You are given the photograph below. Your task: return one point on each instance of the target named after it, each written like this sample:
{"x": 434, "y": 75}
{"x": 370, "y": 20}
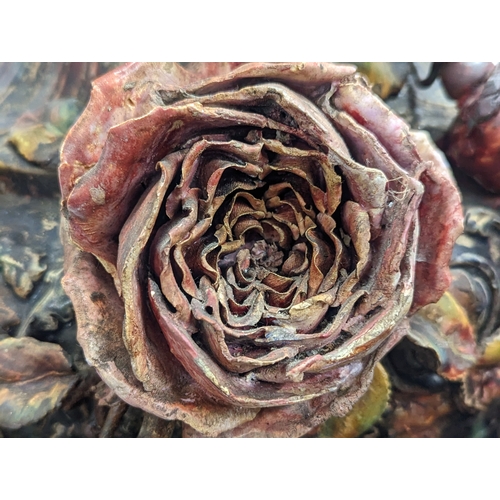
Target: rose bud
{"x": 245, "y": 242}
{"x": 473, "y": 142}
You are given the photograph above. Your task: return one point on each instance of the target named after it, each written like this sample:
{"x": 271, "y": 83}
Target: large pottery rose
{"x": 245, "y": 242}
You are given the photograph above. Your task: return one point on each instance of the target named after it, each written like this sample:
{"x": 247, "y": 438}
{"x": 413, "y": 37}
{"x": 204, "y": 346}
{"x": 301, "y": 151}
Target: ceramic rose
{"x": 245, "y": 242}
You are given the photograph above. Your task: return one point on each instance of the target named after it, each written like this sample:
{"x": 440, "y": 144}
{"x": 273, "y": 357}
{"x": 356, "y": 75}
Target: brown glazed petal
{"x": 245, "y": 241}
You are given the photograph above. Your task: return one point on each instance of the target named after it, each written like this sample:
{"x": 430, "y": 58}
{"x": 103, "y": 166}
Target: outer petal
{"x": 441, "y": 204}
{"x": 137, "y": 83}
{"x": 303, "y": 77}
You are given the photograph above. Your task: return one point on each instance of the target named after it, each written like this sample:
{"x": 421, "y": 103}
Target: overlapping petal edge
{"x": 169, "y": 306}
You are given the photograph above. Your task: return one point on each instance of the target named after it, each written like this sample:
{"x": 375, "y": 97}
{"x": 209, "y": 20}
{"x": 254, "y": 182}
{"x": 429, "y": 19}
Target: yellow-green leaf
{"x": 365, "y": 412}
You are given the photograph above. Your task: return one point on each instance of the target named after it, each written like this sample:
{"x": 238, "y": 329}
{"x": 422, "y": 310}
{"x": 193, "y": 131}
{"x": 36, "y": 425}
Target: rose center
{"x": 259, "y": 254}
{"x": 266, "y": 255}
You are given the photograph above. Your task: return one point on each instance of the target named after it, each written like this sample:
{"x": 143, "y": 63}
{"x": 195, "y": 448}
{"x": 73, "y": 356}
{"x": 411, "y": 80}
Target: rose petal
{"x": 441, "y": 204}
